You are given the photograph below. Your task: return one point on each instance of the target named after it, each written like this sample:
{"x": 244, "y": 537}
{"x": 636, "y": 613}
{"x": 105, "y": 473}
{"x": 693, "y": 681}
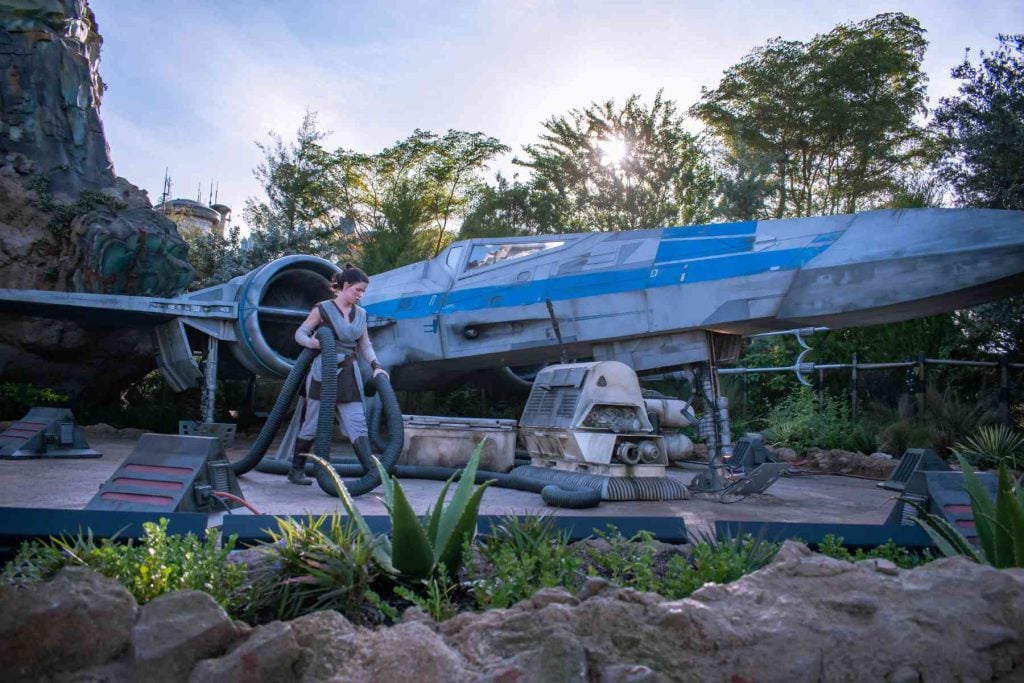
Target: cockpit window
{"x": 488, "y": 254}
{"x": 454, "y": 256}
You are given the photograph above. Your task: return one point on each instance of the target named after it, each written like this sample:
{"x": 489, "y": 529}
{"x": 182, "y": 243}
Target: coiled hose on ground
{"x": 551, "y": 494}
{"x": 277, "y": 414}
{"x": 369, "y": 477}
{"x": 385, "y": 408}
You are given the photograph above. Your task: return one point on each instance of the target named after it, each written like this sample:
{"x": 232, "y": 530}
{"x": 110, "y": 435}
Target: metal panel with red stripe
{"x": 170, "y": 473}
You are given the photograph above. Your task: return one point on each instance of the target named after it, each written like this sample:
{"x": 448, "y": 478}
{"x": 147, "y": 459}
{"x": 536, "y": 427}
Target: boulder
{"x": 805, "y": 617}
{"x": 76, "y": 621}
{"x": 850, "y": 462}
{"x": 269, "y": 653}
{"x": 175, "y": 631}
{"x": 406, "y": 652}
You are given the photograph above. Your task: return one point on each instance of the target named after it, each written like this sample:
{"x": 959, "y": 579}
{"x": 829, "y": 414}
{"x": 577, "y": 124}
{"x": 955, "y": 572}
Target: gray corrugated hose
{"x": 552, "y": 494}
{"x": 277, "y": 413}
{"x": 325, "y": 420}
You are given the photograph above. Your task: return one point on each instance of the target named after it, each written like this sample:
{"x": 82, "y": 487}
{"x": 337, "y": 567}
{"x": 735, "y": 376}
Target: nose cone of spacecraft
{"x": 894, "y": 265}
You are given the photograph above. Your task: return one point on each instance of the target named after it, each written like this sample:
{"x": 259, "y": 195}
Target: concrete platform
{"x": 70, "y": 484}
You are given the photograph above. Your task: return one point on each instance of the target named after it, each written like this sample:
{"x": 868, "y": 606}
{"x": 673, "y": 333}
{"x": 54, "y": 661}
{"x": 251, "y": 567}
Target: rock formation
{"x": 67, "y": 222}
{"x": 805, "y": 617}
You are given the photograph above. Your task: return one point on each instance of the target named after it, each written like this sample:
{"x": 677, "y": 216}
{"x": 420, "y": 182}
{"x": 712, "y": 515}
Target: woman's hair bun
{"x": 349, "y": 274}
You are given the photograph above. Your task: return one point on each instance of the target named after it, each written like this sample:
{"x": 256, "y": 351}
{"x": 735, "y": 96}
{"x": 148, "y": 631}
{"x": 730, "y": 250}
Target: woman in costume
{"x": 347, "y": 319}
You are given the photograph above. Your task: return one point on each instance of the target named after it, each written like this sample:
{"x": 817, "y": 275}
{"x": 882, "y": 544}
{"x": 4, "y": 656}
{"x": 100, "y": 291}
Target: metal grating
{"x": 539, "y": 407}
{"x": 567, "y": 402}
{"x": 913, "y": 460}
{"x": 220, "y": 475}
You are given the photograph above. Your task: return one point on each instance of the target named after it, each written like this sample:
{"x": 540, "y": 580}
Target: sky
{"x": 194, "y": 84}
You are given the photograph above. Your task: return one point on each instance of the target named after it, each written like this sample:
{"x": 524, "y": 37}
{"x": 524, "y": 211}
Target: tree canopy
{"x": 405, "y": 200}
{"x": 982, "y": 137}
{"x": 829, "y": 122}
{"x": 982, "y": 128}
{"x": 609, "y": 168}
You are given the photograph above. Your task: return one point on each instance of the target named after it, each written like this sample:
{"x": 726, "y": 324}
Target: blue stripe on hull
{"x": 680, "y": 250}
{"x": 597, "y": 284}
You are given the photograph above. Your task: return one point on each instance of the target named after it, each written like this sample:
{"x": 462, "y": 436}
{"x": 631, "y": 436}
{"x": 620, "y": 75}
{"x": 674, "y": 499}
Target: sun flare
{"x": 613, "y": 151}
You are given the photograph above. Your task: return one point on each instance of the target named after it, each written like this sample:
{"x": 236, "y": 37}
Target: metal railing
{"x": 920, "y": 365}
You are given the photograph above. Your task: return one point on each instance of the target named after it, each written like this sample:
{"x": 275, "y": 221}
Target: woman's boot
{"x": 297, "y": 475}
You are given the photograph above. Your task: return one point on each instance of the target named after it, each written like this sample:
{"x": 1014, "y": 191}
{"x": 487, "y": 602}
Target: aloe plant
{"x": 381, "y": 545}
{"x": 422, "y": 546}
{"x": 1000, "y": 523}
{"x": 418, "y": 548}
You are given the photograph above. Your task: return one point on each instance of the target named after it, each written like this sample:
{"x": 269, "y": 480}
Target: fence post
{"x": 821, "y": 388}
{"x": 853, "y": 389}
{"x": 1004, "y": 389}
{"x": 922, "y": 384}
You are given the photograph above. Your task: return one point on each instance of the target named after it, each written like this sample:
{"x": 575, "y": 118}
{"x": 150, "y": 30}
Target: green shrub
{"x": 520, "y": 557}
{"x": 629, "y": 562}
{"x": 992, "y": 446}
{"x": 157, "y": 565}
{"x": 16, "y": 398}
{"x": 715, "y": 561}
{"x": 636, "y": 563}
{"x": 897, "y": 437}
{"x": 833, "y": 546}
{"x": 863, "y": 438}
{"x": 325, "y": 563}
{"x": 435, "y": 595}
{"x": 800, "y": 421}
{"x": 418, "y": 547}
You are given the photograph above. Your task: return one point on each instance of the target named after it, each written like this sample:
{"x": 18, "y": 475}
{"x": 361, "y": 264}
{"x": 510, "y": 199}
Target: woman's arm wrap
{"x": 303, "y": 336}
{"x": 364, "y": 349}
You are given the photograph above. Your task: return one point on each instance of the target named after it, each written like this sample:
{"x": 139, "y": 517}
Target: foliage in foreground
{"x": 421, "y": 548}
{"x": 999, "y": 523}
{"x": 434, "y": 544}
{"x": 521, "y": 556}
{"x": 159, "y": 564}
{"x": 324, "y": 563}
{"x": 993, "y": 446}
{"x": 833, "y": 546}
{"x": 635, "y": 562}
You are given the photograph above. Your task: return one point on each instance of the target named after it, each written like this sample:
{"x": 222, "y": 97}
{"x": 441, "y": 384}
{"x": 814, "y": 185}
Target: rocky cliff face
{"x": 67, "y": 222}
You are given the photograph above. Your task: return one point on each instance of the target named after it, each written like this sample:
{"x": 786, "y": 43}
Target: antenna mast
{"x": 167, "y": 186}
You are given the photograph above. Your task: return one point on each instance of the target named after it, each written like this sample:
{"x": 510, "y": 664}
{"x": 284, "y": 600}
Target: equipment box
{"x": 450, "y": 441}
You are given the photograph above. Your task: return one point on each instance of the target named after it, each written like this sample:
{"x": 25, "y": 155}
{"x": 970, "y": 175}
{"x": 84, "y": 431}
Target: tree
{"x": 833, "y": 118}
{"x": 404, "y": 200}
{"x": 505, "y": 210}
{"x": 217, "y": 258}
{"x": 605, "y": 168}
{"x": 982, "y": 135}
{"x": 746, "y": 185}
{"x": 303, "y": 211}
{"x": 982, "y": 129}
